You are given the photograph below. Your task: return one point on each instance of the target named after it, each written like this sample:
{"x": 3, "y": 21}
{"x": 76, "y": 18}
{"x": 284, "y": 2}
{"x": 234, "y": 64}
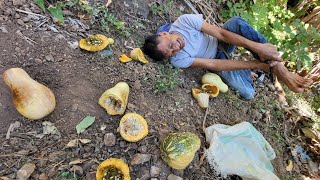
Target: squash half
{"x": 133, "y": 127}
{"x": 115, "y": 100}
{"x": 211, "y": 89}
{"x": 212, "y": 78}
{"x": 95, "y": 42}
{"x": 201, "y": 97}
{"x": 178, "y": 149}
{"x": 112, "y": 169}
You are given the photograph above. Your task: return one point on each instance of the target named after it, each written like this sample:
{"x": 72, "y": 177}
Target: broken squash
{"x": 201, "y": 97}
{"x": 115, "y": 100}
{"x": 95, "y": 42}
{"x": 178, "y": 149}
{"x": 113, "y": 169}
{"x": 137, "y": 54}
{"x": 124, "y": 58}
{"x": 133, "y": 127}
{"x": 31, "y": 99}
{"x": 210, "y": 89}
{"x": 212, "y": 78}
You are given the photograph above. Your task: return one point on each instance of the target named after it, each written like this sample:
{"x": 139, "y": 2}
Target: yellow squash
{"x": 137, "y": 54}
{"x": 124, "y": 58}
{"x": 201, "y": 97}
{"x": 95, "y": 43}
{"x": 212, "y": 78}
{"x": 178, "y": 149}
{"x": 115, "y": 99}
{"x": 31, "y": 99}
{"x": 113, "y": 169}
{"x": 133, "y": 127}
{"x": 210, "y": 89}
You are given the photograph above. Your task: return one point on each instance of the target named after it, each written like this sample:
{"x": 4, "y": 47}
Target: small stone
{"x": 109, "y": 139}
{"x": 43, "y": 176}
{"x": 77, "y": 169}
{"x": 174, "y": 177}
{"x": 18, "y": 2}
{"x": 155, "y": 171}
{"x": 74, "y": 107}
{"x": 90, "y": 176}
{"x": 17, "y": 16}
{"x": 154, "y": 179}
{"x": 42, "y": 162}
{"x": 140, "y": 158}
{"x": 38, "y": 61}
{"x": 137, "y": 84}
{"x": 143, "y": 149}
{"x": 17, "y": 49}
{"x": 122, "y": 144}
{"x": 49, "y": 58}
{"x": 8, "y": 12}
{"x": 26, "y": 19}
{"x": 20, "y": 22}
{"x": 178, "y": 172}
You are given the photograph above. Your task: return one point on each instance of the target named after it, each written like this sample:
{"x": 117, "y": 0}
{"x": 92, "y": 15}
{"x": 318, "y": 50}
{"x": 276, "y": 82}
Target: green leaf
{"x": 56, "y": 12}
{"x": 85, "y": 123}
{"x": 66, "y": 175}
{"x": 40, "y": 3}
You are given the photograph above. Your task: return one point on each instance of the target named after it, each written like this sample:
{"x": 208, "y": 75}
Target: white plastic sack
{"x": 239, "y": 150}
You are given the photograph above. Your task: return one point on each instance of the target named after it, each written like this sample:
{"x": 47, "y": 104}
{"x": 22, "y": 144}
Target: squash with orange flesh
{"x": 115, "y": 100}
{"x": 137, "y": 54}
{"x": 211, "y": 89}
{"x": 133, "y": 127}
{"x": 113, "y": 169}
{"x": 95, "y": 42}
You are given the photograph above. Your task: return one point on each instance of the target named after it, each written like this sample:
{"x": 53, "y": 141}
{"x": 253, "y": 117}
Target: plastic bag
{"x": 239, "y": 150}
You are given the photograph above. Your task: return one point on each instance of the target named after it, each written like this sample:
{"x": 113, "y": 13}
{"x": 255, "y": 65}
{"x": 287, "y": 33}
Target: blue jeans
{"x": 239, "y": 80}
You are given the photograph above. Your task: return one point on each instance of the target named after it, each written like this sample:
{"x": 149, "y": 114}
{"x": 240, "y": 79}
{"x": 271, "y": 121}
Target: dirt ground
{"x": 78, "y": 79}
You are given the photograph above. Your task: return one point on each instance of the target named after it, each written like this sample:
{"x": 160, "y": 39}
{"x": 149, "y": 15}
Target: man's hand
{"x": 268, "y": 52}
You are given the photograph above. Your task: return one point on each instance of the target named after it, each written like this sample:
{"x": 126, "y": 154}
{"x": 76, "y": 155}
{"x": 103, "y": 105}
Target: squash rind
{"x": 137, "y": 54}
{"x": 119, "y": 92}
{"x": 133, "y": 138}
{"x": 202, "y": 98}
{"x": 212, "y": 78}
{"x": 113, "y": 162}
{"x": 32, "y": 99}
{"x": 93, "y": 48}
{"x": 178, "y": 149}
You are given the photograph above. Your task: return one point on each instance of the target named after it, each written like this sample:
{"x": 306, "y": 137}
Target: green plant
{"x": 55, "y": 10}
{"x": 297, "y": 40}
{"x": 167, "y": 78}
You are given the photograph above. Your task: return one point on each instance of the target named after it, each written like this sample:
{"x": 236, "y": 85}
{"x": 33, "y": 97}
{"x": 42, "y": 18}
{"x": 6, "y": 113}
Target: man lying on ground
{"x": 193, "y": 43}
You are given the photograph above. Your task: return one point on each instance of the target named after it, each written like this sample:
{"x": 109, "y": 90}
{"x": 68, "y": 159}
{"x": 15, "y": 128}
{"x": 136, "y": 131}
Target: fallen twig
{"x": 30, "y": 41}
{"x": 27, "y": 12}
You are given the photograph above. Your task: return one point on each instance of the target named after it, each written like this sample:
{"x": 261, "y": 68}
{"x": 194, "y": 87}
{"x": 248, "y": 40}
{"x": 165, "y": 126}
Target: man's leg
{"x": 239, "y": 80}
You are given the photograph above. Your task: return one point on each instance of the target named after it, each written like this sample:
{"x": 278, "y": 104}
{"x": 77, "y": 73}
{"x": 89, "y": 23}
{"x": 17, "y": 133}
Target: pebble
{"x": 43, "y": 176}
{"x": 122, "y": 144}
{"x": 74, "y": 107}
{"x": 77, "y": 169}
{"x": 140, "y": 158}
{"x": 26, "y": 19}
{"x": 17, "y": 16}
{"x": 137, "y": 84}
{"x": 174, "y": 177}
{"x": 38, "y": 61}
{"x": 109, "y": 139}
{"x": 42, "y": 163}
{"x": 19, "y": 2}
{"x": 20, "y": 22}
{"x": 8, "y": 12}
{"x": 257, "y": 115}
{"x": 155, "y": 171}
{"x": 143, "y": 149}
{"x": 49, "y": 58}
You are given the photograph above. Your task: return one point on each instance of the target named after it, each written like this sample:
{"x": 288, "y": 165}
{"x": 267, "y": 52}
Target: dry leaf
{"x": 26, "y": 171}
{"x": 289, "y": 166}
{"x": 309, "y": 133}
{"x": 78, "y": 161}
{"x": 108, "y": 3}
{"x": 73, "y": 143}
{"x": 84, "y": 141}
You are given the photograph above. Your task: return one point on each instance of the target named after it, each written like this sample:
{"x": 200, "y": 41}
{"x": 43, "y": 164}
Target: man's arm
{"x": 227, "y": 65}
{"x": 265, "y": 51}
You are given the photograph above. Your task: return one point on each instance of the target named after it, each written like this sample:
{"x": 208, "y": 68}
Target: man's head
{"x": 163, "y": 46}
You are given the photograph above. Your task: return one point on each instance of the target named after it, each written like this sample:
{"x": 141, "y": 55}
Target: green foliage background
{"x": 298, "y": 41}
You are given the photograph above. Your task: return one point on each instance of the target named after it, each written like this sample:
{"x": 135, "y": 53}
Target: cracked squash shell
{"x": 95, "y": 43}
{"x": 115, "y": 100}
{"x": 31, "y": 99}
{"x": 133, "y": 127}
{"x": 178, "y": 149}
{"x": 113, "y": 169}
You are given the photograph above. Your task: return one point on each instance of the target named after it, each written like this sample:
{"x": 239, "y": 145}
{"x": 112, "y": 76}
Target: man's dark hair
{"x": 150, "y": 48}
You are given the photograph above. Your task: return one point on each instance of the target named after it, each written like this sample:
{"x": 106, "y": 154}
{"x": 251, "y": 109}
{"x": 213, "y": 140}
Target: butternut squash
{"x": 95, "y": 43}
{"x": 212, "y": 78}
{"x": 133, "y": 127}
{"x": 31, "y": 99}
{"x": 113, "y": 169}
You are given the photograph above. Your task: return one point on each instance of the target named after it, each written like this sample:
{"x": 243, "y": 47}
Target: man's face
{"x": 170, "y": 43}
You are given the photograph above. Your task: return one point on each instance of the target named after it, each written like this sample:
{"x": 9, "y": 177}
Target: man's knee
{"x": 234, "y": 23}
